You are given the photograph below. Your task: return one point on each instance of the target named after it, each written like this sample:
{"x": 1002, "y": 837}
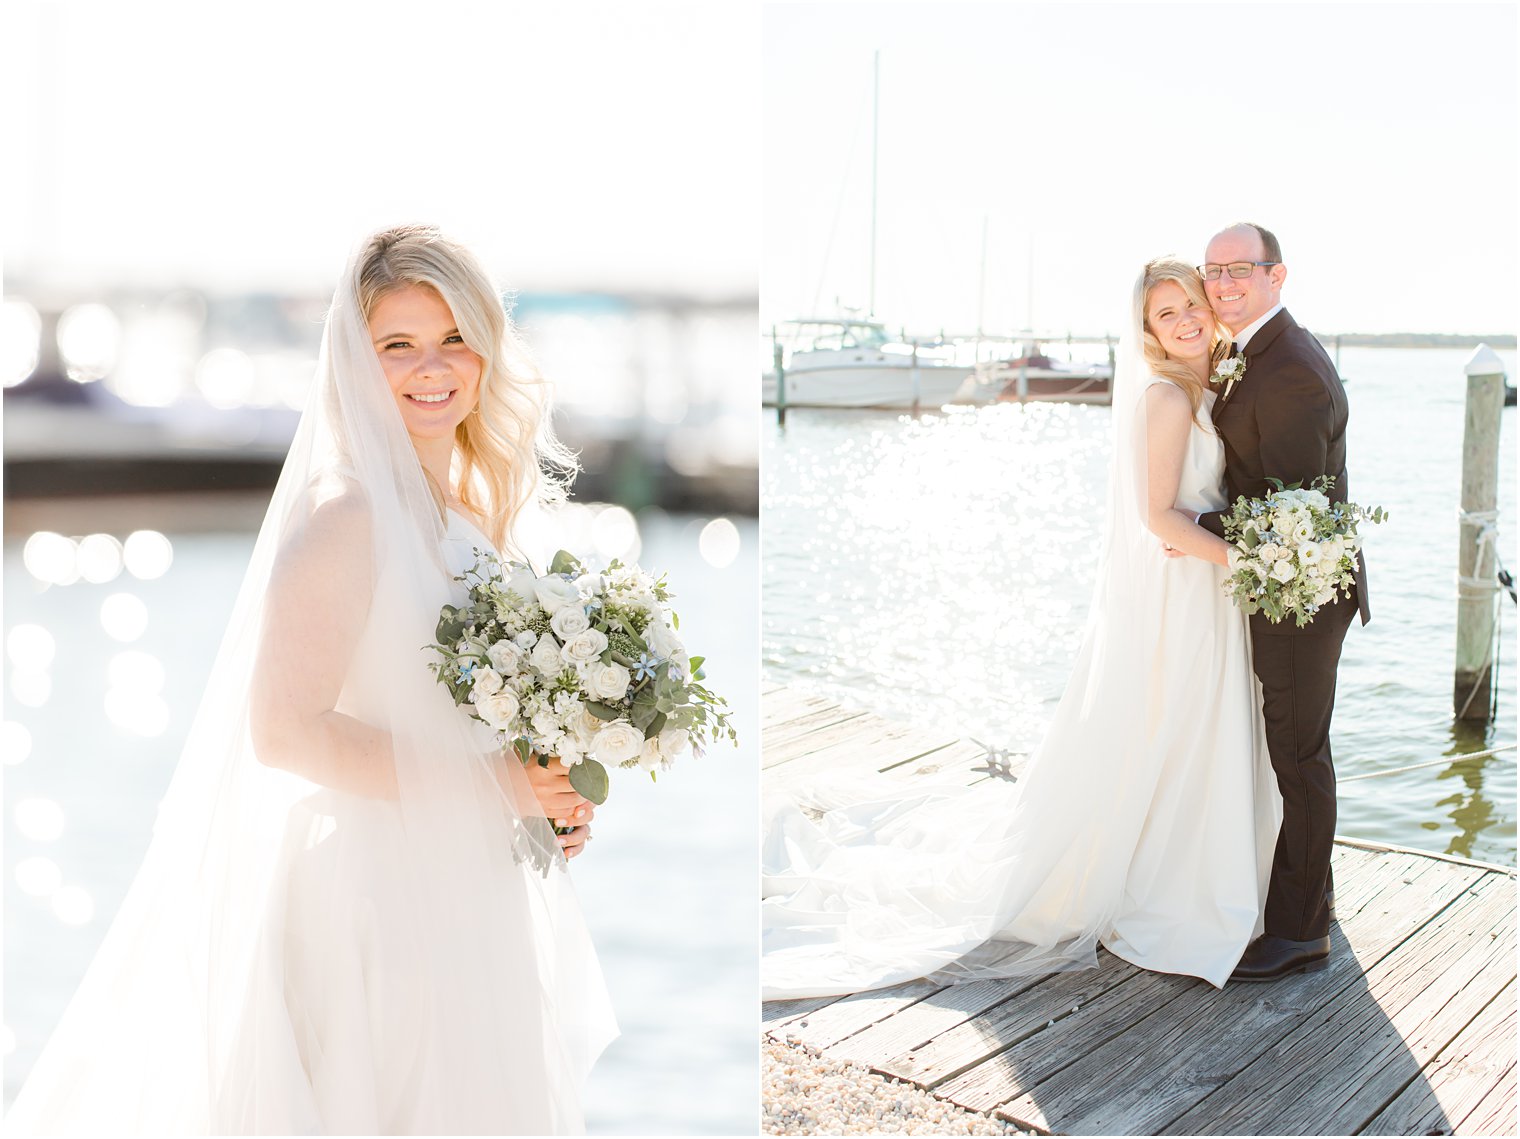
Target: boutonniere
{"x": 1228, "y": 373}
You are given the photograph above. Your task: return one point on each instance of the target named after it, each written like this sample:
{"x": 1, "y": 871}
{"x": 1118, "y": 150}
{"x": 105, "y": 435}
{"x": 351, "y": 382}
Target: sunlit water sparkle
{"x": 938, "y": 570}
{"x": 91, "y": 759}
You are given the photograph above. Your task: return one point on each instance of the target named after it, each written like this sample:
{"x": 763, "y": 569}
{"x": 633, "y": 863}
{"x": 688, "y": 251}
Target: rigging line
{"x": 1446, "y": 762}
{"x": 844, "y": 185}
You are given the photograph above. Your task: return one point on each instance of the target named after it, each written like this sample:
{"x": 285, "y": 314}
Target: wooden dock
{"x": 1410, "y": 1031}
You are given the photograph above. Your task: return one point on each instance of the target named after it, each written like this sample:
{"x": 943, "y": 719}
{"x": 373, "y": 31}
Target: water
{"x": 663, "y": 856}
{"x": 938, "y": 570}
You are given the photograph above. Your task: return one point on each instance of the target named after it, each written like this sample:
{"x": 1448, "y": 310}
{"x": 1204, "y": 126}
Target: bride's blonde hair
{"x": 506, "y": 453}
{"x": 1156, "y": 359}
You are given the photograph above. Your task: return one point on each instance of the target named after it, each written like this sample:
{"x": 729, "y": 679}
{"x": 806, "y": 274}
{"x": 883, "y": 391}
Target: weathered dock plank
{"x": 849, "y": 1015}
{"x": 1457, "y": 1081}
{"x": 1411, "y": 1029}
{"x": 1172, "y": 1063}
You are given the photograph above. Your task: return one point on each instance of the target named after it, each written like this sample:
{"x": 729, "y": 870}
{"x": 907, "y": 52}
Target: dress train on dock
{"x": 1145, "y": 821}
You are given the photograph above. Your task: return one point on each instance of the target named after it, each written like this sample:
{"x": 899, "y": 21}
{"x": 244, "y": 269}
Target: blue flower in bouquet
{"x": 644, "y": 667}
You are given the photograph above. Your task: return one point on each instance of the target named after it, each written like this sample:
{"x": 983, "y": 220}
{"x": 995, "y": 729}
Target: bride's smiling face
{"x": 1184, "y": 329}
{"x": 433, "y": 374}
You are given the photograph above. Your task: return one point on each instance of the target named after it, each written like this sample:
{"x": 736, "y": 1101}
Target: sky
{"x": 1378, "y": 141}
{"x": 249, "y": 146}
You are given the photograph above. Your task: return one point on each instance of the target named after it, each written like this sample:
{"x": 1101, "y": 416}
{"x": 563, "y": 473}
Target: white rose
{"x": 498, "y": 709}
{"x": 674, "y": 742}
{"x": 585, "y": 647}
{"x": 569, "y": 622}
{"x": 1332, "y": 551}
{"x": 663, "y": 640}
{"x": 546, "y": 657}
{"x": 585, "y": 728}
{"x": 608, "y": 681}
{"x": 525, "y": 640}
{"x": 522, "y": 581}
{"x": 486, "y": 682}
{"x": 1269, "y": 553}
{"x": 649, "y": 754}
{"x": 554, "y": 593}
{"x": 617, "y": 742}
{"x": 1283, "y": 571}
{"x": 1317, "y": 499}
{"x": 505, "y": 657}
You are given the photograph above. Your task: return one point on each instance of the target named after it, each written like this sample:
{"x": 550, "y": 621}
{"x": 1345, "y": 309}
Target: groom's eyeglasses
{"x": 1236, "y": 269}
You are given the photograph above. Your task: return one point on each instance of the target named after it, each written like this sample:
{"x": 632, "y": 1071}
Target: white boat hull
{"x": 881, "y": 383}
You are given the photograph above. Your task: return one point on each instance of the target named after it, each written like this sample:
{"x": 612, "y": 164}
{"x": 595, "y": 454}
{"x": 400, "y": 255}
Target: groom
{"x": 1285, "y": 418}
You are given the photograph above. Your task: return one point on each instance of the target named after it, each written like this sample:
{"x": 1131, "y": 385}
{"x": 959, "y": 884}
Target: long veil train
{"x": 185, "y": 1022}
{"x": 1144, "y": 820}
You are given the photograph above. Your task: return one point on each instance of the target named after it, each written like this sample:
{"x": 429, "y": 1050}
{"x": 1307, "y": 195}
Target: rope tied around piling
{"x": 1487, "y": 537}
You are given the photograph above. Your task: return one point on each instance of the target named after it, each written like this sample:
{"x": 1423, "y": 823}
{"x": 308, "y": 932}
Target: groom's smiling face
{"x": 1237, "y": 301}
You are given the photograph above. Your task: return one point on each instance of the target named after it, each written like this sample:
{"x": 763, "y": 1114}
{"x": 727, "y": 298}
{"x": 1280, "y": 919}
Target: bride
{"x": 354, "y": 916}
{"x": 1148, "y": 814}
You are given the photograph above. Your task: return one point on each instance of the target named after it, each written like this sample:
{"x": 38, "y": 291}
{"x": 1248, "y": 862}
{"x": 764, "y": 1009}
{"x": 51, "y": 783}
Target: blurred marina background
{"x": 1008, "y": 172}
{"x": 181, "y": 206}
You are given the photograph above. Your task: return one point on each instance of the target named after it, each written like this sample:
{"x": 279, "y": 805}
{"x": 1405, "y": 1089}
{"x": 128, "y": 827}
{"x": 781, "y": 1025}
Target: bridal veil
{"x": 868, "y": 885}
{"x": 187, "y": 1020}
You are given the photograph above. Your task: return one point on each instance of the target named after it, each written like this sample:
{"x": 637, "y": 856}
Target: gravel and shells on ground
{"x": 806, "y": 1093}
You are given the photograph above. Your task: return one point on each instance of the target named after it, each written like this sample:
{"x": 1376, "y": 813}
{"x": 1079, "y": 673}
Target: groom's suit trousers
{"x": 1297, "y": 675}
{"x": 1286, "y": 420}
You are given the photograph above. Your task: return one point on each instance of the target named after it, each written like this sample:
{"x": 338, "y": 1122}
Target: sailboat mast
{"x": 875, "y": 108}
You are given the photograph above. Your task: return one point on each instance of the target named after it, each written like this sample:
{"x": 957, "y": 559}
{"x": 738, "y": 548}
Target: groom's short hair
{"x": 1271, "y": 248}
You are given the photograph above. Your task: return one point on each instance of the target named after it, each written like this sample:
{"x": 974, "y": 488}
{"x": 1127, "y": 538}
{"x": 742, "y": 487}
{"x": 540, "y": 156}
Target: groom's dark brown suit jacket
{"x": 1285, "y": 418}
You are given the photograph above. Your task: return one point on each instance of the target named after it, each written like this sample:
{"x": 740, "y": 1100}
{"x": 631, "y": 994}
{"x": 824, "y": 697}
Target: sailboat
{"x": 852, "y": 362}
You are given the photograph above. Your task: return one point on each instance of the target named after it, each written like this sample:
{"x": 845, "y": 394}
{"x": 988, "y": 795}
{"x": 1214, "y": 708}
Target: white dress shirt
{"x": 1251, "y": 329}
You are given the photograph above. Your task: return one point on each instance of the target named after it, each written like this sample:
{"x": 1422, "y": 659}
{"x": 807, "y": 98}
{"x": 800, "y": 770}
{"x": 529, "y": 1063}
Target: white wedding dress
{"x": 1145, "y": 821}
{"x": 297, "y": 957}
{"x": 359, "y": 1043}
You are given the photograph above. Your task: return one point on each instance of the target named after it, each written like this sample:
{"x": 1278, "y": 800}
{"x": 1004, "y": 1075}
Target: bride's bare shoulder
{"x": 1163, "y": 392}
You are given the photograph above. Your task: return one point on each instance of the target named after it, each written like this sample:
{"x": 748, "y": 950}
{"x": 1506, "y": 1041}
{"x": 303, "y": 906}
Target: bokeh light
{"x": 38, "y": 876}
{"x": 226, "y": 377}
{"x": 15, "y": 742}
{"x": 99, "y": 558}
{"x": 123, "y": 616}
{"x": 38, "y": 819}
{"x": 20, "y": 338}
{"x": 137, "y": 713}
{"x": 30, "y": 647}
{"x": 615, "y": 534}
{"x": 719, "y": 543}
{"x": 88, "y": 338}
{"x": 73, "y": 905}
{"x": 51, "y": 558}
{"x": 148, "y": 554}
{"x": 137, "y": 672}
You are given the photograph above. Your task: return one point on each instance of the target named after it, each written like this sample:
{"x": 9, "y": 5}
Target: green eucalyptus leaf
{"x": 589, "y": 778}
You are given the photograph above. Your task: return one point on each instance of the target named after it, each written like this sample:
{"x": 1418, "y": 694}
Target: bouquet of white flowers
{"x": 582, "y": 666}
{"x": 1294, "y": 550}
